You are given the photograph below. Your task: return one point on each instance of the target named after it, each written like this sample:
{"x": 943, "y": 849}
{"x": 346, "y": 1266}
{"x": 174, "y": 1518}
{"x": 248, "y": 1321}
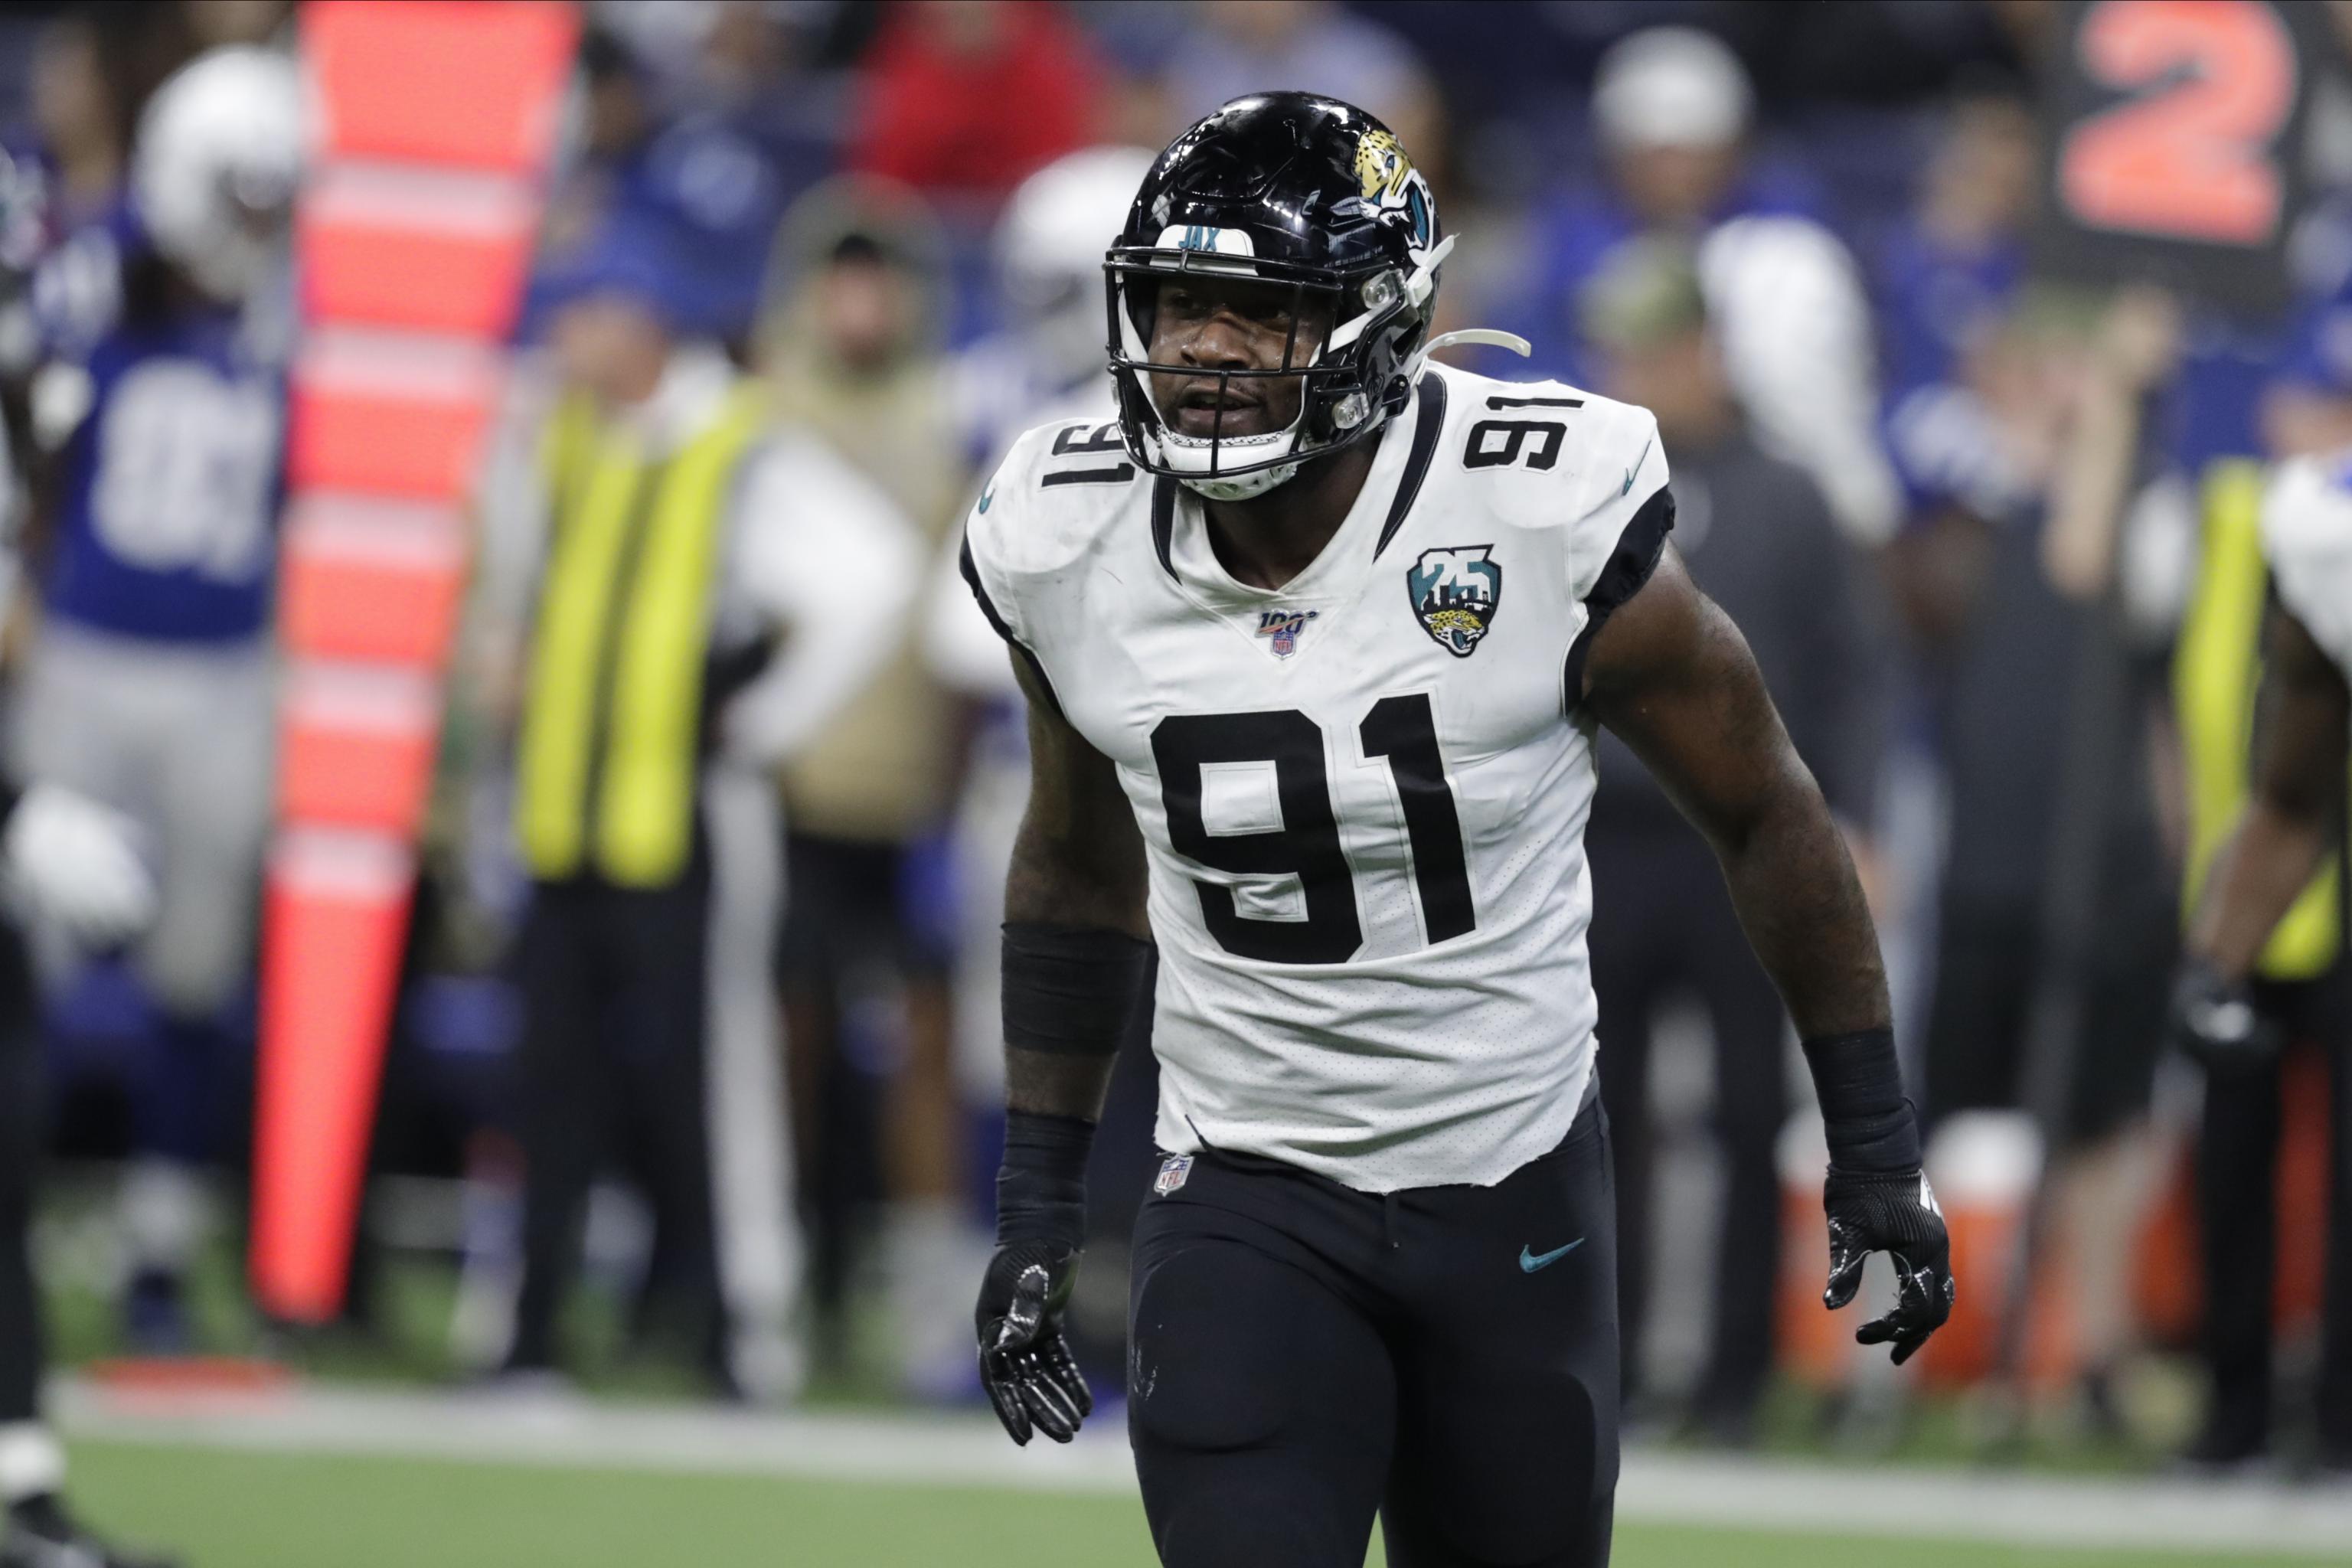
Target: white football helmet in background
{"x": 218, "y": 156}
{"x": 1049, "y": 255}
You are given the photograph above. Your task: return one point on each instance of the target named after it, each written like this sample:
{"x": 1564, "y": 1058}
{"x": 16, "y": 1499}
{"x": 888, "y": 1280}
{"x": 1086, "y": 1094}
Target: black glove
{"x": 1024, "y": 1361}
{"x": 1894, "y": 1213}
{"x": 1041, "y": 1223}
{"x": 2215, "y": 1021}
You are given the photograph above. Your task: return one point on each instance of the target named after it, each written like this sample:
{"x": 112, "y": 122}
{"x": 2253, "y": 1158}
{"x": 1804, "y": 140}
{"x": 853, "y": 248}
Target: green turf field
{"x": 227, "y": 1509}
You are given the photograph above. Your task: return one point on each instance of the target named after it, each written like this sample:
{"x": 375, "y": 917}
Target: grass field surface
{"x": 225, "y": 1509}
{"x": 372, "y": 1450}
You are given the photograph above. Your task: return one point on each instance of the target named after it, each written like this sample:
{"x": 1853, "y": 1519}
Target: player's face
{"x": 1675, "y": 185}
{"x": 609, "y": 346}
{"x": 1233, "y": 323}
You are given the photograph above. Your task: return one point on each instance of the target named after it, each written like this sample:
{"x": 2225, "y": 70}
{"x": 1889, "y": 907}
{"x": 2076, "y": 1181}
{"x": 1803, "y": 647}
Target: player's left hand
{"x": 1894, "y": 1213}
{"x": 77, "y": 861}
{"x": 1025, "y": 1360}
{"x": 2215, "y": 1021}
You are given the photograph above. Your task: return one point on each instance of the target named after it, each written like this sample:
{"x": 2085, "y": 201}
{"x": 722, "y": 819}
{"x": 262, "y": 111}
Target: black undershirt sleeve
{"x": 1639, "y": 546}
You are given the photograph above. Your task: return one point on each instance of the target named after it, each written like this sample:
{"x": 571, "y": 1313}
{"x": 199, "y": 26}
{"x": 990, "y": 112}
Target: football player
{"x": 1315, "y": 636}
{"x": 2229, "y": 1012}
{"x": 2292, "y": 817}
{"x": 75, "y": 864}
{"x": 149, "y": 685}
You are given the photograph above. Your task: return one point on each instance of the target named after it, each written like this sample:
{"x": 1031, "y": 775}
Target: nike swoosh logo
{"x": 1531, "y": 1261}
{"x": 1637, "y": 467}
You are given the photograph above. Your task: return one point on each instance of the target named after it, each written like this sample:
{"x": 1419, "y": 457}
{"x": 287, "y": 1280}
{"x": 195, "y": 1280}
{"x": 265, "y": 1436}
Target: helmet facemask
{"x": 1351, "y": 376}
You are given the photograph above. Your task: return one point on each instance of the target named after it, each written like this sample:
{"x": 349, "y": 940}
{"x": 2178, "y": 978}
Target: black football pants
{"x": 2237, "y": 1174}
{"x": 20, "y": 1153}
{"x": 1302, "y": 1356}
{"x": 614, "y": 994}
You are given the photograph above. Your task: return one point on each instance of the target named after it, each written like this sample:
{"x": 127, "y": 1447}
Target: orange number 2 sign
{"x": 2190, "y": 155}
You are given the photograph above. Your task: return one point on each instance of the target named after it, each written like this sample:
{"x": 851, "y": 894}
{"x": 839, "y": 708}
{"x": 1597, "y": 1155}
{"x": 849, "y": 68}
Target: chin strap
{"x": 1418, "y": 287}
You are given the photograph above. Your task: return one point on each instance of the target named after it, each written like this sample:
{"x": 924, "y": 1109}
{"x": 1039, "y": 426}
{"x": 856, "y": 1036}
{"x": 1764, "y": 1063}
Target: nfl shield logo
{"x": 1281, "y": 629}
{"x": 1172, "y": 1172}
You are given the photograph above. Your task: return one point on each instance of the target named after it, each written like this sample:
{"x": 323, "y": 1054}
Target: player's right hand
{"x": 1895, "y": 1212}
{"x": 75, "y": 861}
{"x": 2214, "y": 1020}
{"x": 1024, "y": 1361}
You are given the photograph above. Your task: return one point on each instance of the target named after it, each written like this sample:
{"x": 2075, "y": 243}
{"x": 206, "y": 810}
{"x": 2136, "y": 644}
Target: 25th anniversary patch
{"x": 1456, "y": 590}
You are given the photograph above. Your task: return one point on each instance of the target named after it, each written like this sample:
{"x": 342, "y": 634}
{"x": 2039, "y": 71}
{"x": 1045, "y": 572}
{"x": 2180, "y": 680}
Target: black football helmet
{"x": 1285, "y": 187}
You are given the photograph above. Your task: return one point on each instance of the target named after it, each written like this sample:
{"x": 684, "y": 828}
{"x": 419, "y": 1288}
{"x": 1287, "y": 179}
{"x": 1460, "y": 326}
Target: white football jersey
{"x": 2307, "y": 537}
{"x": 1364, "y": 793}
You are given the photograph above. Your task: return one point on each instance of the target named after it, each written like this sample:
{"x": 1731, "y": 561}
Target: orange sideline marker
{"x": 435, "y": 121}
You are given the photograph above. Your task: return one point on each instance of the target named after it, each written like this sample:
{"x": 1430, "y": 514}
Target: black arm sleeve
{"x": 1628, "y": 566}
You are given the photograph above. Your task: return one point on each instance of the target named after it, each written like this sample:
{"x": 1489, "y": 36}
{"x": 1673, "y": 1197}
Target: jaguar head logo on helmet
{"x": 1299, "y": 222}
{"x": 1380, "y": 164}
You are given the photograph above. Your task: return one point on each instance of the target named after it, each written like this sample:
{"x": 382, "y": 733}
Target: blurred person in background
{"x": 1226, "y": 48}
{"x": 92, "y": 69}
{"x": 149, "y": 683}
{"x": 704, "y": 171}
{"x": 2263, "y": 977}
{"x": 1671, "y": 106}
{"x": 962, "y": 99}
{"x": 1950, "y": 268}
{"x": 1760, "y": 539}
{"x": 850, "y": 349}
{"x": 75, "y": 864}
{"x": 710, "y": 590}
{"x": 2037, "y": 488}
{"x": 1045, "y": 362}
{"x": 82, "y": 132}
{"x": 850, "y": 337}
{"x": 95, "y": 66}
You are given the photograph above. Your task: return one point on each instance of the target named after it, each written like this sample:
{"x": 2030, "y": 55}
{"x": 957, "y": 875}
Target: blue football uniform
{"x": 167, "y": 525}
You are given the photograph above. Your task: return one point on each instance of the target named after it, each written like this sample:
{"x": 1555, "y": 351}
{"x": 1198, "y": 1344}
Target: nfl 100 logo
{"x": 1281, "y": 629}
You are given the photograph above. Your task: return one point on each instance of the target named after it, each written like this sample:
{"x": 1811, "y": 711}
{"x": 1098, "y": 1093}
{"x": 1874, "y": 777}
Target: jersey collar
{"x": 1180, "y": 527}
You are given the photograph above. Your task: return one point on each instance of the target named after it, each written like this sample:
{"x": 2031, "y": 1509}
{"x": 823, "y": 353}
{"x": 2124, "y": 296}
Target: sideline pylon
{"x": 434, "y": 129}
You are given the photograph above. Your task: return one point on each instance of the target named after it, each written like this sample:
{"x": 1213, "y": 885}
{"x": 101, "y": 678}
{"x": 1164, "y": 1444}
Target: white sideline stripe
{"x": 572, "y": 1432}
{"x": 965, "y": 1450}
{"x": 2009, "y": 1508}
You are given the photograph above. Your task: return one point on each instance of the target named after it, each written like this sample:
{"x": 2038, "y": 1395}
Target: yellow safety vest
{"x": 2215, "y": 673}
{"x": 612, "y": 724}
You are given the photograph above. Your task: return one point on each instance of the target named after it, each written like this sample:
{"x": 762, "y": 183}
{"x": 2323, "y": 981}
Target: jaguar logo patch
{"x": 1454, "y": 592}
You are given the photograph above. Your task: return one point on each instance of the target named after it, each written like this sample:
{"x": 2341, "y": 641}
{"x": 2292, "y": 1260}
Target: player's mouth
{"x": 1201, "y": 410}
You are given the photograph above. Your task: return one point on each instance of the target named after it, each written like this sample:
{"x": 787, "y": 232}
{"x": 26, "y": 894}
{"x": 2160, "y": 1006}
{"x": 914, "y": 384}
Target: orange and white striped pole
{"x": 436, "y": 124}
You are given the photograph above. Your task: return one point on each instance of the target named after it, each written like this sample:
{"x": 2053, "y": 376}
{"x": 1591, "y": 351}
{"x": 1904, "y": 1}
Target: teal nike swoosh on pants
{"x": 1530, "y": 1262}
